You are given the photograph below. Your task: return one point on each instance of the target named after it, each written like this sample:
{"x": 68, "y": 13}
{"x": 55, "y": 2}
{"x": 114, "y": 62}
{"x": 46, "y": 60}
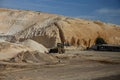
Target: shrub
{"x": 100, "y": 40}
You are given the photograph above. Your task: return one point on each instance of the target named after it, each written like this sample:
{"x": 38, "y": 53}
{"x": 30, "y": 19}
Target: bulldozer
{"x": 59, "y": 49}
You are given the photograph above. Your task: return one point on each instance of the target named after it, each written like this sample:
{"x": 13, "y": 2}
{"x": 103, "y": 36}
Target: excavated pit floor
{"x": 73, "y": 65}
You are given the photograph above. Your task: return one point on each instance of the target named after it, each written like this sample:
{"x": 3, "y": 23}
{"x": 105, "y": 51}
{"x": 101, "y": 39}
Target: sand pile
{"x": 36, "y": 46}
{"x": 32, "y": 57}
{"x": 9, "y": 50}
{"x": 12, "y": 52}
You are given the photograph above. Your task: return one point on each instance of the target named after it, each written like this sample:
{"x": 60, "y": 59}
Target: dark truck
{"x": 59, "y": 49}
{"x": 106, "y": 47}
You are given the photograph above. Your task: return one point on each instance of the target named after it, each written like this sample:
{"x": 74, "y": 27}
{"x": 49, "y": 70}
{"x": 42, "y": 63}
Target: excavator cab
{"x": 59, "y": 49}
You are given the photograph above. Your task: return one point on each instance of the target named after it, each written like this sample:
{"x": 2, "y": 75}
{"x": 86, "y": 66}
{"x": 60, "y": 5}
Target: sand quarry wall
{"x": 49, "y": 29}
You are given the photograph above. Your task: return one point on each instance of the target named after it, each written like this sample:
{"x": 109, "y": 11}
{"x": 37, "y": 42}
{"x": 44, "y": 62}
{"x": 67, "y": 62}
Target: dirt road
{"x": 86, "y": 67}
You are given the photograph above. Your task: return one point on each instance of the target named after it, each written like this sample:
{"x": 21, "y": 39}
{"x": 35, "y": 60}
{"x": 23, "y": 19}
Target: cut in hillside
{"x": 50, "y": 29}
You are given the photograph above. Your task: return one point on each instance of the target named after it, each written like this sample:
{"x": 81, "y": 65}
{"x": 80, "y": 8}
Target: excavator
{"x": 59, "y": 49}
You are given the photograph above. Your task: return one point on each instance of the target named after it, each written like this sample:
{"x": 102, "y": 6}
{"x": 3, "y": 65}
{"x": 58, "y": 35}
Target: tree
{"x": 100, "y": 40}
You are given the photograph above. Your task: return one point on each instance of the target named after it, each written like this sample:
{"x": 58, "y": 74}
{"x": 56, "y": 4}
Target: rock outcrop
{"x": 49, "y": 29}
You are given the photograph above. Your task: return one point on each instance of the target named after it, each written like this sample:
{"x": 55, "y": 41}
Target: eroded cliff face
{"x": 49, "y": 29}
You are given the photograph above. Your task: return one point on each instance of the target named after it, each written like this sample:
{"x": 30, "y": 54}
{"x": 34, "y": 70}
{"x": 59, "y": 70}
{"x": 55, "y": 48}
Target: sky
{"x": 104, "y": 10}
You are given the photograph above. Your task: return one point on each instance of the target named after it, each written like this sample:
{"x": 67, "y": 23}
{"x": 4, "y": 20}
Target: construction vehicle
{"x": 106, "y": 47}
{"x": 59, "y": 49}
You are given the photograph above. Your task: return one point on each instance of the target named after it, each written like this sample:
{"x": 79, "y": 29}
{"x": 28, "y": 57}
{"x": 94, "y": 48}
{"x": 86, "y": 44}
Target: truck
{"x": 58, "y": 49}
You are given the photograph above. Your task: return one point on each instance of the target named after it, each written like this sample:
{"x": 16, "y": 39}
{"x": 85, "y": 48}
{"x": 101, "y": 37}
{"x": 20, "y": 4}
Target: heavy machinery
{"x": 59, "y": 49}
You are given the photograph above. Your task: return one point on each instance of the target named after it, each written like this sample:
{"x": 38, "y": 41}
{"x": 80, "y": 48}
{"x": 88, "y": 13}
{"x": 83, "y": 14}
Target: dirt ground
{"x": 73, "y": 65}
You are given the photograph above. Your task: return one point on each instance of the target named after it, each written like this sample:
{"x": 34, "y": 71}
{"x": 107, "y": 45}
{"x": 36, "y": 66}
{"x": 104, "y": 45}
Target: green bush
{"x": 100, "y": 40}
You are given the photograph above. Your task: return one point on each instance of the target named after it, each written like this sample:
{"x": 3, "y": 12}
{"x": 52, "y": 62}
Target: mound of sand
{"x": 32, "y": 57}
{"x": 9, "y": 50}
{"x": 12, "y": 52}
{"x": 35, "y": 45}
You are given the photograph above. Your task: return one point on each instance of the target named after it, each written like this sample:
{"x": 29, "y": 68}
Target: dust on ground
{"x": 73, "y": 65}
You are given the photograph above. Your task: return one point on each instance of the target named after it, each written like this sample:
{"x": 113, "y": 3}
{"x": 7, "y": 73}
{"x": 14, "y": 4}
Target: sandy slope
{"x": 18, "y": 53}
{"x": 48, "y": 29}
